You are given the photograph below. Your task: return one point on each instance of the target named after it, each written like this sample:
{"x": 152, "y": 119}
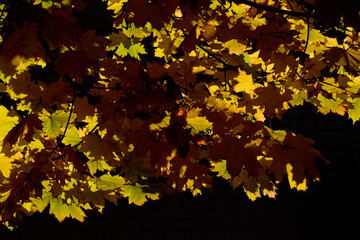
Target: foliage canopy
{"x": 135, "y": 98}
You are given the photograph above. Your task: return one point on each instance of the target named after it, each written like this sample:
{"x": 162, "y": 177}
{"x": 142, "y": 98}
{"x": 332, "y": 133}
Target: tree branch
{"x": 272, "y": 9}
{"x": 230, "y": 67}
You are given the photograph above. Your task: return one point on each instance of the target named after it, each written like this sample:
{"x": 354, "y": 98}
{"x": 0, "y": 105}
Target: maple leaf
{"x": 245, "y": 83}
{"x": 8, "y": 119}
{"x": 76, "y": 212}
{"x": 102, "y": 98}
{"x": 299, "y": 153}
{"x": 59, "y": 209}
{"x": 25, "y": 128}
{"x": 42, "y": 202}
{"x": 197, "y": 123}
{"x": 136, "y": 194}
{"x": 220, "y": 168}
{"x": 272, "y": 99}
{"x": 108, "y": 182}
{"x": 72, "y": 136}
{"x": 157, "y": 13}
{"x": 190, "y": 41}
{"x": 99, "y": 148}
{"x": 78, "y": 159}
{"x": 60, "y": 28}
{"x": 5, "y": 165}
{"x": 52, "y": 123}
{"x": 327, "y": 105}
{"x": 354, "y": 113}
{"x": 75, "y": 64}
{"x": 238, "y": 155}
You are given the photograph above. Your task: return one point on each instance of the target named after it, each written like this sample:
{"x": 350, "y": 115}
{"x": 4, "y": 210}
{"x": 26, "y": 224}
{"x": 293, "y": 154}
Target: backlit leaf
{"x": 134, "y": 193}
{"x": 5, "y": 165}
{"x": 52, "y": 123}
{"x": 6, "y": 122}
{"x": 76, "y": 212}
{"x": 59, "y": 209}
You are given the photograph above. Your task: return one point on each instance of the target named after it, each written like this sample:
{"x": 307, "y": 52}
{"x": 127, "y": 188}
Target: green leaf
{"x": 331, "y": 105}
{"x": 59, "y": 209}
{"x": 221, "y": 168}
{"x": 108, "y": 182}
{"x": 134, "y": 193}
{"x": 354, "y": 113}
{"x": 72, "y": 136}
{"x": 95, "y": 165}
{"x": 136, "y": 49}
{"x": 52, "y": 123}
{"x": 76, "y": 212}
{"x": 41, "y": 203}
{"x": 298, "y": 98}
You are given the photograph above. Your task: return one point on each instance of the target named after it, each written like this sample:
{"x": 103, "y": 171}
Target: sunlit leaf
{"x": 52, "y": 123}
{"x": 59, "y": 209}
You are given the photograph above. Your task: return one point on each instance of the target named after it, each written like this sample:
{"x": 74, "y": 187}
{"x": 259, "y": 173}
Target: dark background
{"x": 328, "y": 209}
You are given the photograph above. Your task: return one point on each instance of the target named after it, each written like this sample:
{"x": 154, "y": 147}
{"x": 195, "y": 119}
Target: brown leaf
{"x": 24, "y": 129}
{"x": 271, "y": 99}
{"x": 297, "y": 151}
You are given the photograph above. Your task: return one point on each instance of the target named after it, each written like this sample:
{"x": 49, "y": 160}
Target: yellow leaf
{"x": 235, "y": 47}
{"x": 100, "y": 165}
{"x": 220, "y": 167}
{"x": 76, "y": 212}
{"x": 116, "y": 5}
{"x": 196, "y": 123}
{"x": 257, "y": 22}
{"x": 314, "y": 35}
{"x": 134, "y": 193}
{"x": 41, "y": 203}
{"x": 293, "y": 184}
{"x": 108, "y": 182}
{"x": 59, "y": 209}
{"x": 331, "y": 105}
{"x": 277, "y": 134}
{"x": 5, "y": 165}
{"x": 6, "y": 122}
{"x": 354, "y": 113}
{"x": 245, "y": 83}
{"x": 52, "y": 123}
{"x": 72, "y": 136}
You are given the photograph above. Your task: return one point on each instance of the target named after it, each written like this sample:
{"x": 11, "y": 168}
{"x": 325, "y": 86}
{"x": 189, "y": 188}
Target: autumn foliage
{"x": 134, "y": 99}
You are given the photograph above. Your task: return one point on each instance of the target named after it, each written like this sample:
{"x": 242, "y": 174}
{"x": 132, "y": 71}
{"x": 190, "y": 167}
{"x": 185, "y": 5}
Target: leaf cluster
{"x": 102, "y": 100}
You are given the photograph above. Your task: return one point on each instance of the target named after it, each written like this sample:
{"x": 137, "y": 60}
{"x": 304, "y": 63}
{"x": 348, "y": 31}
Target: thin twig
{"x": 307, "y": 34}
{"x": 69, "y": 118}
{"x": 215, "y": 57}
{"x": 67, "y": 124}
{"x": 274, "y": 10}
{"x": 304, "y": 79}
